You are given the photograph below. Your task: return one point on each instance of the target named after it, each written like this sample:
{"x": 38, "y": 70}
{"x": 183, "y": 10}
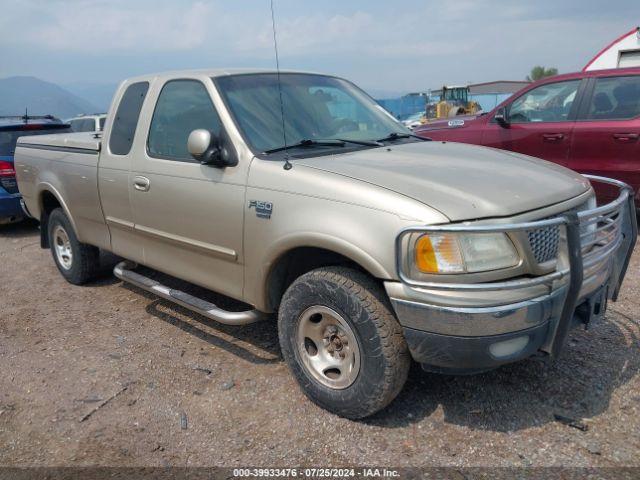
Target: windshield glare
{"x": 316, "y": 107}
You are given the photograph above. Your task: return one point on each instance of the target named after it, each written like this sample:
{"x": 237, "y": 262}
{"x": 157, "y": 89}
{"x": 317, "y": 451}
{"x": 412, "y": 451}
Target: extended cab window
{"x": 546, "y": 103}
{"x": 615, "y": 98}
{"x": 183, "y": 106}
{"x": 126, "y": 121}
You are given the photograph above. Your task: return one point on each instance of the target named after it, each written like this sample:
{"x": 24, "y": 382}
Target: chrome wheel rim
{"x": 328, "y": 347}
{"x": 62, "y": 247}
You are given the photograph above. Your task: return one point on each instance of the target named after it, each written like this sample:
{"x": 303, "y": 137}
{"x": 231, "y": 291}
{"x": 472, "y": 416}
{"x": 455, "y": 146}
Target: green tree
{"x": 539, "y": 72}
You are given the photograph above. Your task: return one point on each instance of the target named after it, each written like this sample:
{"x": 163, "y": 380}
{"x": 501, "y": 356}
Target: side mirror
{"x": 211, "y": 150}
{"x": 203, "y": 146}
{"x": 502, "y": 118}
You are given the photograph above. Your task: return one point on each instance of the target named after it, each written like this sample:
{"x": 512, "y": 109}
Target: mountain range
{"x": 37, "y": 97}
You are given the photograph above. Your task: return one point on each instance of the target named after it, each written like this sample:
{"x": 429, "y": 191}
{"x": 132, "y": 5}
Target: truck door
{"x": 606, "y": 138}
{"x": 188, "y": 216}
{"x": 540, "y": 122}
{"x": 114, "y": 171}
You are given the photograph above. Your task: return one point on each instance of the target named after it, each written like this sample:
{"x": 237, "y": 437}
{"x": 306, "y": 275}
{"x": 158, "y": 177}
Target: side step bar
{"x": 124, "y": 271}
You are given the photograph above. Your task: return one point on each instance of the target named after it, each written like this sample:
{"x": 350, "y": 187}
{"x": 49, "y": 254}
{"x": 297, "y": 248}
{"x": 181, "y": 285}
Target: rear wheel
{"x": 342, "y": 342}
{"x": 76, "y": 261}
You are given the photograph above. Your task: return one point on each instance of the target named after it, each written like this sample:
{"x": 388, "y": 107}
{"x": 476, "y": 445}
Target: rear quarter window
{"x": 615, "y": 98}
{"x": 126, "y": 120}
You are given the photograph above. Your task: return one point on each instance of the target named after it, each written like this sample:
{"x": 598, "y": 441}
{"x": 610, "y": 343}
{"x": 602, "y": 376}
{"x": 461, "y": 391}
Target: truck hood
{"x": 463, "y": 182}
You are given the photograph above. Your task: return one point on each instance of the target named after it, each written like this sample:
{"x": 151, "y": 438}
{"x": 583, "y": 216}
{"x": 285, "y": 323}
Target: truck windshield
{"x": 316, "y": 107}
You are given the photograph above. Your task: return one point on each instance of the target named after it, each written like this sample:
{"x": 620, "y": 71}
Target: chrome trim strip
{"x": 118, "y": 223}
{"x": 187, "y": 242}
{"x": 55, "y": 148}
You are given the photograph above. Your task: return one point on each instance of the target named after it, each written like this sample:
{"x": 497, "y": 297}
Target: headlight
{"x": 464, "y": 252}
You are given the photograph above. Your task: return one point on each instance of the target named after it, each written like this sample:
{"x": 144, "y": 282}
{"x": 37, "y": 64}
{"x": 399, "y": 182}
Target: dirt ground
{"x": 108, "y": 375}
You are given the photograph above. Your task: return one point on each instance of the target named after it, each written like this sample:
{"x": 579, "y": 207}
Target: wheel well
{"x": 297, "y": 262}
{"x": 49, "y": 203}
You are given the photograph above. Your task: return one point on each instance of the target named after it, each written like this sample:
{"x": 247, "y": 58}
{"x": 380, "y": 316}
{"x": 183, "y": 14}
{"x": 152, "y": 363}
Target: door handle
{"x": 553, "y": 137}
{"x": 141, "y": 183}
{"x": 626, "y": 137}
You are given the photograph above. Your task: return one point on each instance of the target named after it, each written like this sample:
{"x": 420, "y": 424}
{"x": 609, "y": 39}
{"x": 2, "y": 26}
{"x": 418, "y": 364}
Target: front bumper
{"x": 507, "y": 321}
{"x": 464, "y": 355}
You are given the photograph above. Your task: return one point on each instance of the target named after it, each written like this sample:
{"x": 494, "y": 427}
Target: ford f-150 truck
{"x": 299, "y": 196}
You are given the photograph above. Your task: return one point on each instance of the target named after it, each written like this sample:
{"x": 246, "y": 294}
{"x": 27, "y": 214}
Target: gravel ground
{"x": 108, "y": 375}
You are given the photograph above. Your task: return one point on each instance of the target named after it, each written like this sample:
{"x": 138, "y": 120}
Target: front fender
{"x": 313, "y": 240}
{"x": 327, "y": 242}
{"x": 364, "y": 236}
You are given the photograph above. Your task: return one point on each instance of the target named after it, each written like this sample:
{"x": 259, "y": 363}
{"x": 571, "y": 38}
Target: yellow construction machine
{"x": 454, "y": 100}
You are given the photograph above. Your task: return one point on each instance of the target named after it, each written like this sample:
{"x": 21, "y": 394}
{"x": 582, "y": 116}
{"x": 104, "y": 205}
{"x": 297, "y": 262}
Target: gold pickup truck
{"x": 299, "y": 196}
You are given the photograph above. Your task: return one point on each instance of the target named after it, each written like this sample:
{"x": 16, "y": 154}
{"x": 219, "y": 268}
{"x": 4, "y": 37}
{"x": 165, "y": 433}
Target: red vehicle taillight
{"x": 6, "y": 169}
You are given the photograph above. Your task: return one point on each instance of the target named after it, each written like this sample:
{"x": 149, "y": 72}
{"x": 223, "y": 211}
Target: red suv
{"x": 586, "y": 121}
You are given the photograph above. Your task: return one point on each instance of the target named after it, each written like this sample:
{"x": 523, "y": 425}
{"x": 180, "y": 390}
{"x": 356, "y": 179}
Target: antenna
{"x": 287, "y": 164}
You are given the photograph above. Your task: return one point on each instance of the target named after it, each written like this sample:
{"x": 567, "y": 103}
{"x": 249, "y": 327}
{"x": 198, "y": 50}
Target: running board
{"x": 124, "y": 271}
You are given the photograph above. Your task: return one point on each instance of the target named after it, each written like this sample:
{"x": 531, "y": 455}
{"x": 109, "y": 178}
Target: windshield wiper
{"x": 397, "y": 136}
{"x": 369, "y": 143}
{"x": 307, "y": 142}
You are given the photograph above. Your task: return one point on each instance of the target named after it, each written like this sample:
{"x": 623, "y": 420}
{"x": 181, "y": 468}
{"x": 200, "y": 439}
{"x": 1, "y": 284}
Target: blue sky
{"x": 384, "y": 46}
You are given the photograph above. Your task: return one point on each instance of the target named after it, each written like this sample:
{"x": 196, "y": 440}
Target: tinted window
{"x": 183, "y": 106}
{"x": 615, "y": 98}
{"x": 546, "y": 103}
{"x": 126, "y": 121}
{"x": 101, "y": 122}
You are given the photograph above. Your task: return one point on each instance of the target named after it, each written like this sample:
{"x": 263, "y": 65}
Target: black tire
{"x": 85, "y": 259}
{"x": 362, "y": 303}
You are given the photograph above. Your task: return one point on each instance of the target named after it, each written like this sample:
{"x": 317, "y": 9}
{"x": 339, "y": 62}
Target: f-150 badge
{"x": 263, "y": 209}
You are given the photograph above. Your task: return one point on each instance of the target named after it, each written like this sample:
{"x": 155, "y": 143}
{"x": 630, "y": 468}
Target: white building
{"x": 622, "y": 52}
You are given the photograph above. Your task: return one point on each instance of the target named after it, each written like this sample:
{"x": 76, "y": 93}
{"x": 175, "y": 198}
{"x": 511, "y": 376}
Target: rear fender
{"x": 44, "y": 215}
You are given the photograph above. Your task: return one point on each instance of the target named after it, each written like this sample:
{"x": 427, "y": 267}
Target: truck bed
{"x": 66, "y": 165}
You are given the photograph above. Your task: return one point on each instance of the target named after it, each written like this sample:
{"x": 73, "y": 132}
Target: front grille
{"x": 544, "y": 243}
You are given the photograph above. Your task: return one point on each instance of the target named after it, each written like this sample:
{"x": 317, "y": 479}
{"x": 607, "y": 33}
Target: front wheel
{"x": 342, "y": 342}
{"x": 76, "y": 261}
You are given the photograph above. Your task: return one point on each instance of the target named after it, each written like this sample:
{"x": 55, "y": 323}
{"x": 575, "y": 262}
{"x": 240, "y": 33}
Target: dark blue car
{"x": 10, "y": 129}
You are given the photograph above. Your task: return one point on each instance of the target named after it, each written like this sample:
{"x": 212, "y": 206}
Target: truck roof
{"x": 208, "y": 72}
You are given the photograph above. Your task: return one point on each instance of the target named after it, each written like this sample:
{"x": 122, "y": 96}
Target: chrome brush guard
{"x": 589, "y": 240}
